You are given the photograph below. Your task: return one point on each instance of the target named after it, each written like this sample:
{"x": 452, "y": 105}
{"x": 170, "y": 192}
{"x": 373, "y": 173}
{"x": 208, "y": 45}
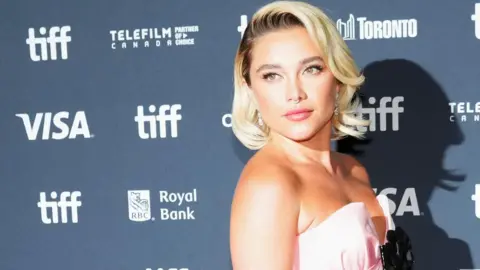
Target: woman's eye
{"x": 270, "y": 76}
{"x": 314, "y": 69}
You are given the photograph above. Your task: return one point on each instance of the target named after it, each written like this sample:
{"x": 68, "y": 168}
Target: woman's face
{"x": 293, "y": 87}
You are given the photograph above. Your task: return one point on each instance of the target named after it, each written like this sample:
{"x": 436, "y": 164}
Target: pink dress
{"x": 346, "y": 240}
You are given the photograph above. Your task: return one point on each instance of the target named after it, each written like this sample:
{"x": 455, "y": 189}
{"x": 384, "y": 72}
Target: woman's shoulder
{"x": 266, "y": 176}
{"x": 264, "y": 213}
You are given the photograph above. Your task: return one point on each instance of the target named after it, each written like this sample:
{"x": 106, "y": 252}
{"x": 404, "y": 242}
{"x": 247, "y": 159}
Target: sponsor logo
{"x": 476, "y": 20}
{"x": 378, "y": 112}
{"x": 476, "y": 199}
{"x": 181, "y": 210}
{"x": 408, "y": 202}
{"x": 139, "y": 205}
{"x": 59, "y": 207}
{"x": 173, "y": 268}
{"x": 243, "y": 25}
{"x": 55, "y": 126}
{"x": 48, "y": 41}
{"x": 362, "y": 28}
{"x": 155, "y": 125}
{"x": 173, "y": 205}
{"x": 464, "y": 111}
{"x": 227, "y": 120}
{"x": 153, "y": 37}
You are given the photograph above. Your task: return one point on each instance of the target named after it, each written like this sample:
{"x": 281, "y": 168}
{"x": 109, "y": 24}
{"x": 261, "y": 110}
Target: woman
{"x": 298, "y": 205}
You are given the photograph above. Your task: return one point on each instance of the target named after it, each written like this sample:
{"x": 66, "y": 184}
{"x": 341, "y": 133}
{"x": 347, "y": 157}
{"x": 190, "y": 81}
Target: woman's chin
{"x": 300, "y": 135}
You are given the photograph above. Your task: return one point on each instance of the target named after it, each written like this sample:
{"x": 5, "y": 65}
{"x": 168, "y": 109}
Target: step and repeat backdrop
{"x": 117, "y": 150}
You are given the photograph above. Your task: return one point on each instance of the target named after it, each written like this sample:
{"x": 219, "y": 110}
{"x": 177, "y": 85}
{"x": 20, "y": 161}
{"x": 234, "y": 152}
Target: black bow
{"x": 397, "y": 252}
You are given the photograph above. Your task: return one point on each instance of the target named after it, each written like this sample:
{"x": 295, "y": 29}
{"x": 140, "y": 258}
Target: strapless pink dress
{"x": 346, "y": 240}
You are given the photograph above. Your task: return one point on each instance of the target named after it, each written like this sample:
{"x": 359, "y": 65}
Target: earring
{"x": 336, "y": 105}
{"x": 260, "y": 120}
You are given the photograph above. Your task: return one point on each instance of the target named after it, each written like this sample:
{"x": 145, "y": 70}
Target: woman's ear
{"x": 337, "y": 86}
{"x": 247, "y": 89}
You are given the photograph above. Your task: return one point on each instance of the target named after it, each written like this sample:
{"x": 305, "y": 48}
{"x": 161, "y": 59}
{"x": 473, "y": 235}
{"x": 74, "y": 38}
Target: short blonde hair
{"x": 283, "y": 15}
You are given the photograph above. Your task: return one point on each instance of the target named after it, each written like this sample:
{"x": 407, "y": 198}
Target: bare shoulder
{"x": 264, "y": 216}
{"x": 264, "y": 171}
{"x": 354, "y": 167}
{"x": 266, "y": 180}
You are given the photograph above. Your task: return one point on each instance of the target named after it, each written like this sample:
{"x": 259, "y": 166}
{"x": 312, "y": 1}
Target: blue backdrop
{"x": 117, "y": 148}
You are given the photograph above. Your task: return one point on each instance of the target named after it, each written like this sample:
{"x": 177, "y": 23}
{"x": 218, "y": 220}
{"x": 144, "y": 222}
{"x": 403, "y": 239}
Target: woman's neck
{"x": 316, "y": 150}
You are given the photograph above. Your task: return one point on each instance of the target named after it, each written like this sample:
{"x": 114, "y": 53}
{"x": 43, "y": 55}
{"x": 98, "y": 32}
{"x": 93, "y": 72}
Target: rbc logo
{"x": 67, "y": 200}
{"x": 166, "y": 113}
{"x": 48, "y": 45}
{"x": 139, "y": 207}
{"x": 44, "y": 121}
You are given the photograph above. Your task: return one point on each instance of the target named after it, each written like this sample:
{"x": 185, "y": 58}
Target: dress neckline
{"x": 331, "y": 217}
{"x": 382, "y": 200}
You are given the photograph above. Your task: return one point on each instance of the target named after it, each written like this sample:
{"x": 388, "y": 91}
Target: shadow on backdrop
{"x": 412, "y": 156}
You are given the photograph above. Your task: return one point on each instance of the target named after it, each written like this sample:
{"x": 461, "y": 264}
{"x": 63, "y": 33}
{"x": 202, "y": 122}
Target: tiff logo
{"x": 476, "y": 19}
{"x": 476, "y": 199}
{"x": 67, "y": 200}
{"x": 243, "y": 25}
{"x": 388, "y": 105}
{"x": 166, "y": 113}
{"x": 347, "y": 29}
{"x": 48, "y": 45}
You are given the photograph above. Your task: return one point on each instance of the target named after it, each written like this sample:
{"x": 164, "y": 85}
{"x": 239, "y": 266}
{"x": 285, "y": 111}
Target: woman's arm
{"x": 263, "y": 225}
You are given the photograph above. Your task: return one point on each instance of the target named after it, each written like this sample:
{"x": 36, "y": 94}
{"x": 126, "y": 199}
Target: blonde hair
{"x": 283, "y": 15}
